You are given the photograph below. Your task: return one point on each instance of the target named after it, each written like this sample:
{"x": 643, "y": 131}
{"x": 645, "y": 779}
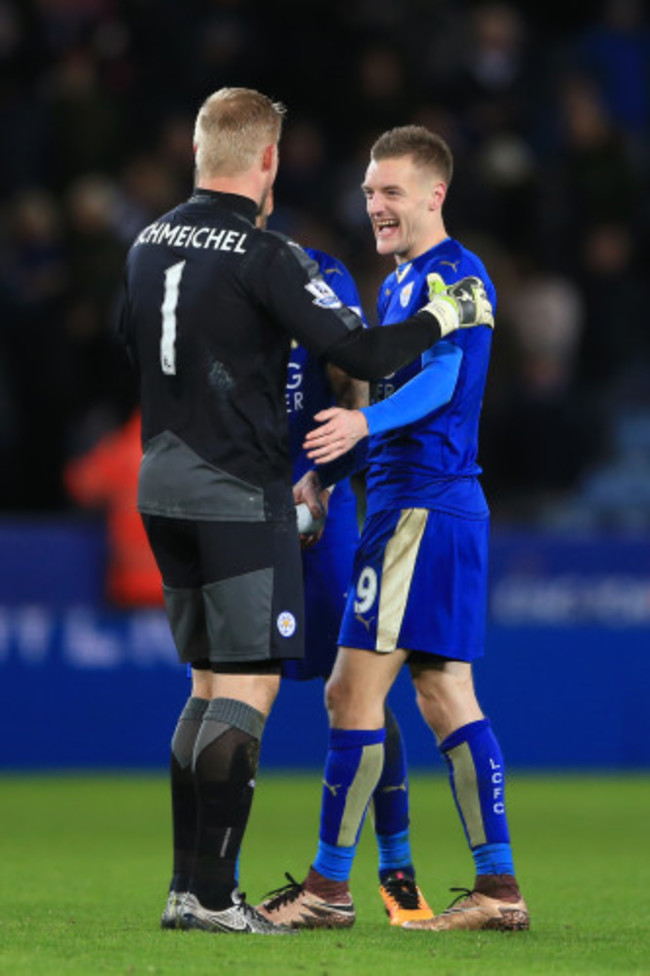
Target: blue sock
{"x": 395, "y": 854}
{"x": 353, "y": 766}
{"x": 493, "y": 859}
{"x": 477, "y": 777}
{"x": 391, "y": 805}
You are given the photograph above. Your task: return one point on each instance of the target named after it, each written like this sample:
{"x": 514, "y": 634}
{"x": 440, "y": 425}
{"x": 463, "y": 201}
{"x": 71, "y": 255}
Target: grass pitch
{"x": 84, "y": 866}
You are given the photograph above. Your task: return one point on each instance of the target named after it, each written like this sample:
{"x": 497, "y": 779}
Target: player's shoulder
{"x": 337, "y": 277}
{"x": 327, "y": 263}
{"x": 151, "y": 230}
{"x": 453, "y": 261}
{"x": 274, "y": 241}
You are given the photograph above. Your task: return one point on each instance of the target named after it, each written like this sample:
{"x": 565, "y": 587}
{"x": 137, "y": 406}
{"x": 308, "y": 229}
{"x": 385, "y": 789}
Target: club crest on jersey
{"x": 286, "y": 623}
{"x": 324, "y": 297}
{"x": 405, "y": 294}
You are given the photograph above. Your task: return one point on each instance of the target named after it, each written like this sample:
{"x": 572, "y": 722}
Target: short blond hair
{"x": 232, "y": 126}
{"x": 425, "y": 148}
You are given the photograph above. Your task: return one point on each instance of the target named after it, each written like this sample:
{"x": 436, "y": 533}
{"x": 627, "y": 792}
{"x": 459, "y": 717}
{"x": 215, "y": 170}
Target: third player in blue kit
{"x": 312, "y": 386}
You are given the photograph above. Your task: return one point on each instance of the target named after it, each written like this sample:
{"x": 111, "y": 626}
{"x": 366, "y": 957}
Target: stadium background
{"x": 549, "y": 119}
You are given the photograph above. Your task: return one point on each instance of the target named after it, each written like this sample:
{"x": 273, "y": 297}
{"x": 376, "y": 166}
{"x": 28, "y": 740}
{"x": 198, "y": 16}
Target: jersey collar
{"x": 402, "y": 271}
{"x": 232, "y": 201}
{"x": 425, "y": 257}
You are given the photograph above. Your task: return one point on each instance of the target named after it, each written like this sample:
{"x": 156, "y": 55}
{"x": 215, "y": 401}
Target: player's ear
{"x": 437, "y": 195}
{"x": 269, "y": 157}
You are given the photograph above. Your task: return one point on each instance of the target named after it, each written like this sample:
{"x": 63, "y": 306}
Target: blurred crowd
{"x": 548, "y": 116}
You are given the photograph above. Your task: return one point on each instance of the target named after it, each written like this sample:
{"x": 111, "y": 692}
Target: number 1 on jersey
{"x": 173, "y": 277}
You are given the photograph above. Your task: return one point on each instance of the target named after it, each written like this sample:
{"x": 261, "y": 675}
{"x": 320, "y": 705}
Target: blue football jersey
{"x": 308, "y": 389}
{"x": 432, "y": 462}
{"x": 327, "y": 566}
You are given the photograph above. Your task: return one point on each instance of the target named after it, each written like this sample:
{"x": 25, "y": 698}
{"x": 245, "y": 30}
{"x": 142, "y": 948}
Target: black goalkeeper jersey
{"x": 210, "y": 307}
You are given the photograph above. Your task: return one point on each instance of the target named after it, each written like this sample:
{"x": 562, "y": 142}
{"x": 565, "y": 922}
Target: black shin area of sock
{"x": 225, "y": 763}
{"x": 183, "y": 792}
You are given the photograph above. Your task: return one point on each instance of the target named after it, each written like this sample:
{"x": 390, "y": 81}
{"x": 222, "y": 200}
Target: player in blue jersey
{"x": 419, "y": 584}
{"x": 327, "y": 568}
{"x": 328, "y": 554}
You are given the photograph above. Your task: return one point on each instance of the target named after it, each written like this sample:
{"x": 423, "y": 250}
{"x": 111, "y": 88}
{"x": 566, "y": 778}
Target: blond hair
{"x": 425, "y": 148}
{"x": 232, "y": 127}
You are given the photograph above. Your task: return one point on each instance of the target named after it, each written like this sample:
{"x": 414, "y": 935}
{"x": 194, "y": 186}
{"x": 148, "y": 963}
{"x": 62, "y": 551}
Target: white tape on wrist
{"x": 445, "y": 312}
{"x": 307, "y": 524}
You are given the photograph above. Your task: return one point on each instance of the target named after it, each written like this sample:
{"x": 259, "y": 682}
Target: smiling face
{"x": 404, "y": 202}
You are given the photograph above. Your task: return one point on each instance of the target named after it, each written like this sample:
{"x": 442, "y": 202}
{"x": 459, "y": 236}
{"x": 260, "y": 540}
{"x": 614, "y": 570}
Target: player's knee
{"x": 351, "y": 707}
{"x": 264, "y": 691}
{"x": 337, "y": 696}
{"x": 201, "y": 680}
{"x": 341, "y": 702}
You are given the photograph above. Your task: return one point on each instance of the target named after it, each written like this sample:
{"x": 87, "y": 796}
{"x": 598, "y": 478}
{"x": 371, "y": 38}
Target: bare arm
{"x": 348, "y": 392}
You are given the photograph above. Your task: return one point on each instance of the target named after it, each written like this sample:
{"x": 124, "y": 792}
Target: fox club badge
{"x": 286, "y": 623}
{"x": 405, "y": 294}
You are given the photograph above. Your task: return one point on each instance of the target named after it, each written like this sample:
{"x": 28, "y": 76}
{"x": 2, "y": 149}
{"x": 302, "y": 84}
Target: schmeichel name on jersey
{"x": 183, "y": 235}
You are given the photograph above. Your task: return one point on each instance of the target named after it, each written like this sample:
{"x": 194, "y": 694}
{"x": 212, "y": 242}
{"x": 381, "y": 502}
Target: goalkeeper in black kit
{"x": 210, "y": 307}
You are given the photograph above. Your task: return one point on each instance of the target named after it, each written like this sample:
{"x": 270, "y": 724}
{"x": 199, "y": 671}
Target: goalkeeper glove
{"x": 460, "y": 305}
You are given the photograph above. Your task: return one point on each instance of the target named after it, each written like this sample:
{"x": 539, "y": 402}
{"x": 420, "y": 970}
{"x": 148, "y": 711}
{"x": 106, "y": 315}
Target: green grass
{"x": 84, "y": 865}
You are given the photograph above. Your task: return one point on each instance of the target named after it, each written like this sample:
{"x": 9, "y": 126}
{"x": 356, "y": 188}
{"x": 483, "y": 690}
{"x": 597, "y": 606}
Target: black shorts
{"x": 233, "y": 590}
